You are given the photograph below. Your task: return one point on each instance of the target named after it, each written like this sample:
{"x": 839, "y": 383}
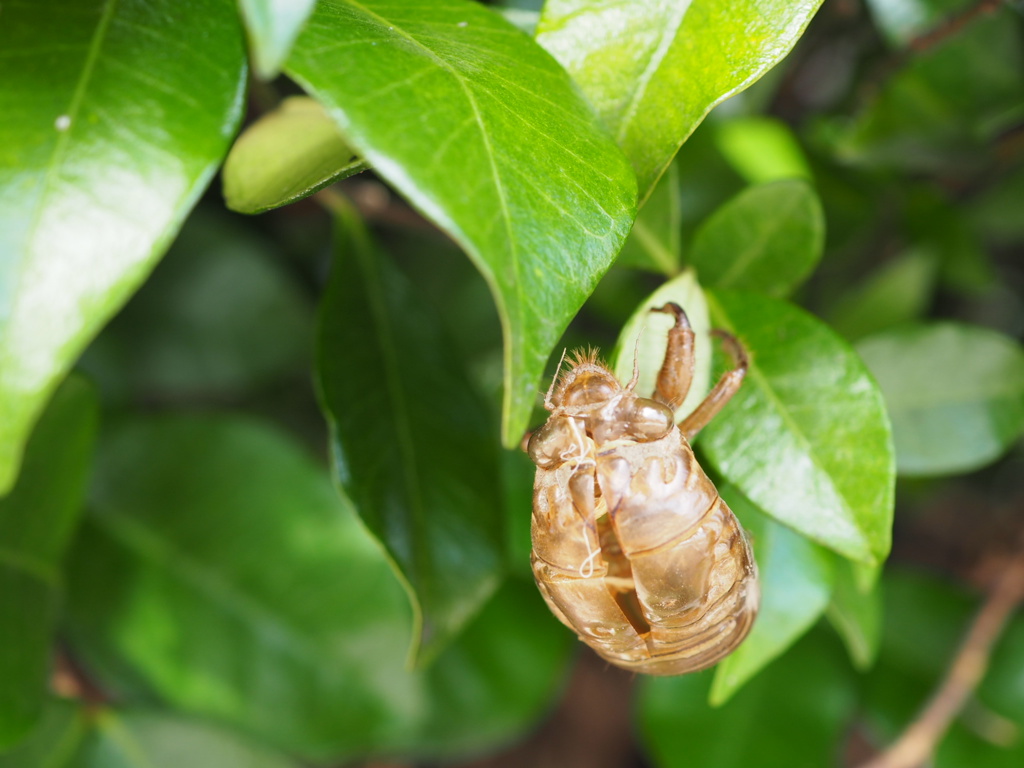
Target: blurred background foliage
{"x": 268, "y": 521}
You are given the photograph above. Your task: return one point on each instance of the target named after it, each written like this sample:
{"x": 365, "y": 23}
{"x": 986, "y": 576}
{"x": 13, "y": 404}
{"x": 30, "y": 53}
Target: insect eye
{"x": 650, "y": 419}
{"x": 591, "y": 390}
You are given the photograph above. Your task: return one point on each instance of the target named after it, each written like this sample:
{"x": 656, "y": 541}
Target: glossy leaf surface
{"x": 955, "y": 393}
{"x": 542, "y": 199}
{"x": 115, "y": 117}
{"x": 796, "y": 577}
{"x": 273, "y": 26}
{"x": 791, "y": 715}
{"x": 767, "y": 239}
{"x": 654, "y": 69}
{"x": 806, "y": 438}
{"x": 242, "y": 588}
{"x": 286, "y": 155}
{"x": 36, "y": 521}
{"x": 413, "y": 445}
{"x": 652, "y": 330}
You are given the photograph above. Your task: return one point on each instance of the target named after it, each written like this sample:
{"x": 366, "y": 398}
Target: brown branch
{"x": 918, "y": 741}
{"x": 953, "y": 25}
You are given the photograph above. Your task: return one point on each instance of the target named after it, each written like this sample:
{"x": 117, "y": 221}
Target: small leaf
{"x": 955, "y": 393}
{"x": 115, "y": 117}
{"x": 273, "y": 26}
{"x": 794, "y": 714}
{"x": 654, "y": 243}
{"x": 856, "y": 611}
{"x": 762, "y": 149}
{"x": 413, "y": 445}
{"x": 898, "y": 291}
{"x": 652, "y": 330}
{"x": 286, "y": 155}
{"x": 36, "y": 520}
{"x": 796, "y": 577}
{"x": 767, "y": 239}
{"x": 806, "y": 438}
{"x": 654, "y": 69}
{"x": 220, "y": 572}
{"x": 542, "y": 199}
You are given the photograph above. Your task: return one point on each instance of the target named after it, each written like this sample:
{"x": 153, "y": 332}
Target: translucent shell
{"x": 633, "y": 548}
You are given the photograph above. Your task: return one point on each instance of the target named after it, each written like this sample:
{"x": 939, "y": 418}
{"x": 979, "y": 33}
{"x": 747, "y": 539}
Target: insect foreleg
{"x": 724, "y": 389}
{"x": 676, "y": 372}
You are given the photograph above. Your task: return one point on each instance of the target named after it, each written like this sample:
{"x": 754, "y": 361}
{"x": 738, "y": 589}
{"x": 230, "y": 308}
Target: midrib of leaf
{"x": 746, "y": 256}
{"x": 655, "y": 249}
{"x": 126, "y": 743}
{"x": 209, "y": 585}
{"x": 671, "y": 29}
{"x": 38, "y": 569}
{"x": 60, "y": 146}
{"x": 754, "y": 372}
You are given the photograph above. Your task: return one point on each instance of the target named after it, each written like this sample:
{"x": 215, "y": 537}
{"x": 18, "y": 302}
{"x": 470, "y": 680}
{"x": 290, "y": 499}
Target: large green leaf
{"x": 955, "y": 394}
{"x": 766, "y": 239}
{"x": 115, "y": 117}
{"x": 806, "y": 438}
{"x": 791, "y": 716}
{"x": 36, "y": 521}
{"x": 221, "y": 571}
{"x": 286, "y": 155}
{"x": 655, "y": 68}
{"x": 414, "y": 447}
{"x": 485, "y": 134}
{"x": 796, "y": 577}
{"x": 273, "y": 26}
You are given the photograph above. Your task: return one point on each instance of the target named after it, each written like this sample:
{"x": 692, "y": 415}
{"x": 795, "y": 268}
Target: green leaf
{"x": 654, "y": 69}
{"x": 414, "y": 447}
{"x": 796, "y": 577}
{"x": 36, "y": 520}
{"x": 955, "y": 393}
{"x": 794, "y": 714}
{"x": 116, "y": 116}
{"x": 220, "y": 316}
{"x": 221, "y": 571}
{"x": 273, "y": 26}
{"x": 856, "y": 611}
{"x": 899, "y": 291}
{"x": 652, "y": 330}
{"x": 154, "y": 740}
{"x": 286, "y": 155}
{"x": 806, "y": 438}
{"x": 767, "y": 239}
{"x": 762, "y": 149}
{"x": 52, "y": 742}
{"x": 542, "y": 199}
{"x": 654, "y": 243}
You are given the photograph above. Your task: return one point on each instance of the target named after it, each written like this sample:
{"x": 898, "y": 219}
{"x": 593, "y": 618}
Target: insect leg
{"x": 677, "y": 370}
{"x": 723, "y": 391}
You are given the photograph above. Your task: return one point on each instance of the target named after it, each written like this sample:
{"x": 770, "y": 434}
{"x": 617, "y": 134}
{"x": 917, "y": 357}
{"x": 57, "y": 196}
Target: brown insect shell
{"x": 676, "y": 551}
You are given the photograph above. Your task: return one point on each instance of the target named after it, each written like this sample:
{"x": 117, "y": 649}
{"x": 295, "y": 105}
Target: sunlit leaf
{"x": 655, "y": 68}
{"x": 413, "y": 445}
{"x": 286, "y": 155}
{"x": 36, "y": 521}
{"x": 762, "y": 149}
{"x": 793, "y": 714}
{"x": 220, "y": 571}
{"x": 542, "y": 199}
{"x": 806, "y": 438}
{"x": 115, "y": 117}
{"x": 955, "y": 393}
{"x": 796, "y": 577}
{"x": 767, "y": 239}
{"x": 273, "y": 26}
